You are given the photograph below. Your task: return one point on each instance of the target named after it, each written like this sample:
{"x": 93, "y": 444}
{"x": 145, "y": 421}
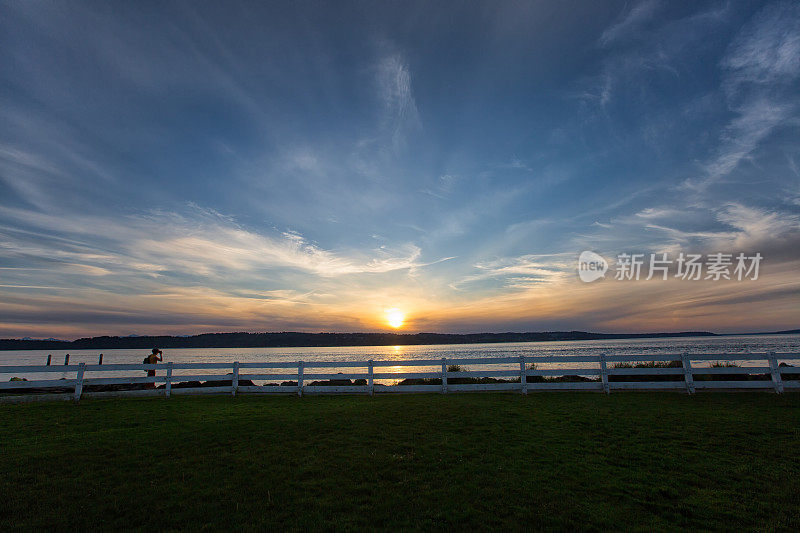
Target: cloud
{"x": 632, "y": 21}
{"x": 730, "y": 228}
{"x": 776, "y": 234}
{"x": 627, "y": 73}
{"x": 518, "y": 272}
{"x": 399, "y": 107}
{"x": 200, "y": 242}
{"x": 657, "y": 212}
{"x": 767, "y": 50}
{"x": 756, "y": 120}
{"x": 760, "y": 71}
{"x": 196, "y": 269}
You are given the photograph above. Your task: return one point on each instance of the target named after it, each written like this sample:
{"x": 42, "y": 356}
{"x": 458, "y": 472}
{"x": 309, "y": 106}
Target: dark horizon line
{"x": 293, "y": 339}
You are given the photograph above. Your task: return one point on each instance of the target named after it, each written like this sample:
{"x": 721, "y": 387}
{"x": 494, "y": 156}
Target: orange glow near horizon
{"x": 395, "y": 318}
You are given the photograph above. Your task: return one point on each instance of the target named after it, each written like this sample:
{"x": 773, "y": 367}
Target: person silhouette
{"x": 152, "y": 359}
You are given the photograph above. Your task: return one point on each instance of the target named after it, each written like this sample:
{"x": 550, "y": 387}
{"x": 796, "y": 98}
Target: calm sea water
{"x": 720, "y": 344}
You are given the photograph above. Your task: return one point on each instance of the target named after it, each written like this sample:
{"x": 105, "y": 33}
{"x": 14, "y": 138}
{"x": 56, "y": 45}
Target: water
{"x": 531, "y": 350}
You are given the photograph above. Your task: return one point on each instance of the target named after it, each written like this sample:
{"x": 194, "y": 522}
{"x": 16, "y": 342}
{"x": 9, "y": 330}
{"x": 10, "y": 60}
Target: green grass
{"x": 549, "y": 460}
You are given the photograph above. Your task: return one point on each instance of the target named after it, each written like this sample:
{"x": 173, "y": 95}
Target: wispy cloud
{"x": 400, "y": 109}
{"x": 756, "y": 120}
{"x": 632, "y": 20}
{"x": 195, "y": 267}
{"x": 627, "y": 72}
{"x": 520, "y": 272}
{"x": 766, "y": 51}
{"x": 195, "y": 243}
{"x": 760, "y": 70}
{"x": 729, "y": 228}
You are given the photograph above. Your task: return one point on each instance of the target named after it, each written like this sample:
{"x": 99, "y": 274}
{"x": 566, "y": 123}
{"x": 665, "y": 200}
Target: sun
{"x": 395, "y": 317}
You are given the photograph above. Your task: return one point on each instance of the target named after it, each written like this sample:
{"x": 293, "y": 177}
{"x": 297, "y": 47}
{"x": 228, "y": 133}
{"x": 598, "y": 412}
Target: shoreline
{"x": 332, "y": 340}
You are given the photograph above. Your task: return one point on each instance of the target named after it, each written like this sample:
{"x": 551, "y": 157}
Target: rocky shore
{"x": 697, "y": 374}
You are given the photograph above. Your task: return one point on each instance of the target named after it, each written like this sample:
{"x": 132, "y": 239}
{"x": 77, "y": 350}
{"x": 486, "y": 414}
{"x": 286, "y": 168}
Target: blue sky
{"x": 188, "y": 167}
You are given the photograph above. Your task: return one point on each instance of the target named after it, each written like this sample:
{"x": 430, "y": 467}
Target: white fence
{"x": 607, "y": 372}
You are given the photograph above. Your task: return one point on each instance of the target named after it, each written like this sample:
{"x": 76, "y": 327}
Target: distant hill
{"x": 292, "y": 339}
{"x": 297, "y": 339}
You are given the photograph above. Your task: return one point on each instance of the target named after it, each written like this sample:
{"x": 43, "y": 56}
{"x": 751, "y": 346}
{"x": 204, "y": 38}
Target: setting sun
{"x": 395, "y": 317}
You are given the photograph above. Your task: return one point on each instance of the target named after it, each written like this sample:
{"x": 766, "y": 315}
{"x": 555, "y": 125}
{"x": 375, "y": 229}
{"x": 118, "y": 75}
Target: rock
{"x": 332, "y": 383}
{"x": 115, "y": 388}
{"x": 186, "y": 385}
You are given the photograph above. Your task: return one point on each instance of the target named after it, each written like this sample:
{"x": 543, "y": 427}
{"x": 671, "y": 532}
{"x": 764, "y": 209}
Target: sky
{"x": 187, "y": 167}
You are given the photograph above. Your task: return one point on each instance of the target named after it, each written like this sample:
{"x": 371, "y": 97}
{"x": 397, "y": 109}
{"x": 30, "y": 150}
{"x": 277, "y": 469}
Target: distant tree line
{"x": 297, "y": 339}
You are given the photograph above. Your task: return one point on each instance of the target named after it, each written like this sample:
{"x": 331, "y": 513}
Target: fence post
{"x": 168, "y": 383}
{"x": 370, "y": 378}
{"x": 604, "y": 374}
{"x": 49, "y": 356}
{"x": 79, "y": 381}
{"x": 523, "y": 375}
{"x": 444, "y": 375}
{"x": 300, "y": 366}
{"x": 66, "y": 360}
{"x": 687, "y": 372}
{"x": 235, "y": 380}
{"x": 776, "y": 373}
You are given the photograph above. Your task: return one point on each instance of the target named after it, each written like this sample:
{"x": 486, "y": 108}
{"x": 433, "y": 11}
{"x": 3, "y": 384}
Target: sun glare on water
{"x": 395, "y": 317}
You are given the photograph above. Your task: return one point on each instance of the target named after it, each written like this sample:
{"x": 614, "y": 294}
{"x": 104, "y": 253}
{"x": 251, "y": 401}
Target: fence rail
{"x": 612, "y": 372}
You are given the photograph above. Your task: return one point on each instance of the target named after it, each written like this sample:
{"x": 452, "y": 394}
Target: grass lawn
{"x": 548, "y": 460}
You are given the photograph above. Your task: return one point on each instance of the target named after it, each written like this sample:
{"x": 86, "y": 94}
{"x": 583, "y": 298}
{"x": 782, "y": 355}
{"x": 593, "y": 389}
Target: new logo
{"x": 591, "y": 266}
